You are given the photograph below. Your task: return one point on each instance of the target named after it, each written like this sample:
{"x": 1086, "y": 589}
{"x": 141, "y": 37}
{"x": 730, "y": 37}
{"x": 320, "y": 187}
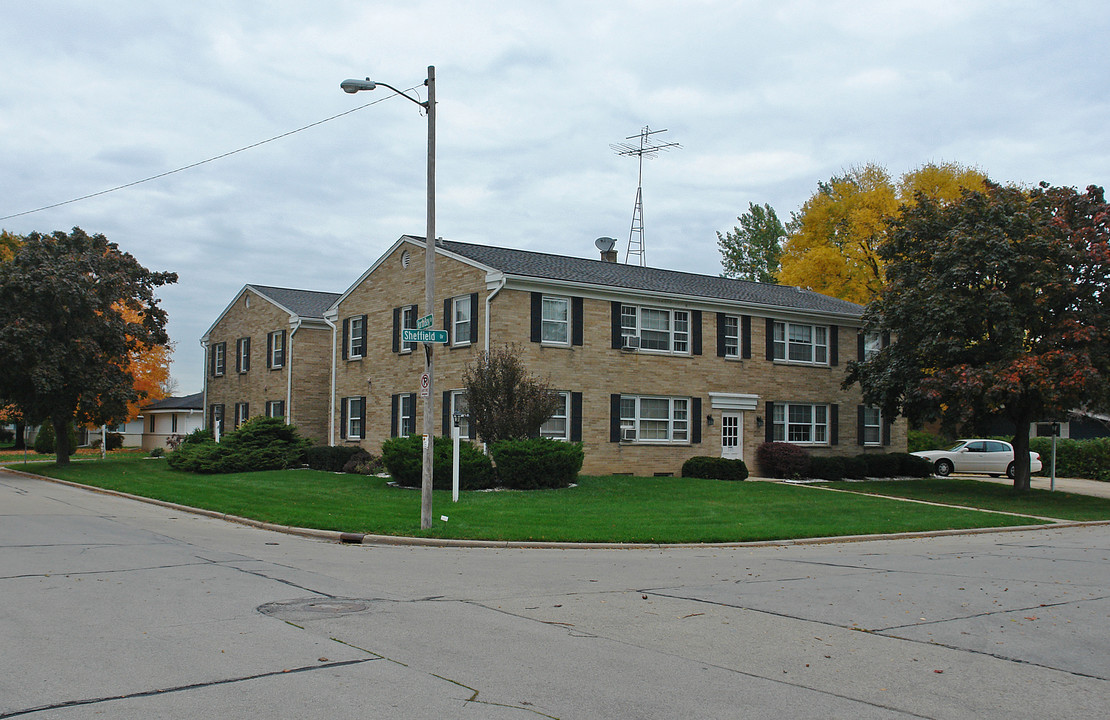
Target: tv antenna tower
{"x": 647, "y": 147}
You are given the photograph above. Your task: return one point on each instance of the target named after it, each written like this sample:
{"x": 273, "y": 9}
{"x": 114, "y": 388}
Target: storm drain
{"x": 314, "y": 608}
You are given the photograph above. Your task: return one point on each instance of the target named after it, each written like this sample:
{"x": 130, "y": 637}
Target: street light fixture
{"x": 354, "y": 86}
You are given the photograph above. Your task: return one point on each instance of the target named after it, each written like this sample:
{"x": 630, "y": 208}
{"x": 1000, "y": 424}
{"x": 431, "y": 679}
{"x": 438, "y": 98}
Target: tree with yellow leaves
{"x": 150, "y": 366}
{"x": 833, "y": 244}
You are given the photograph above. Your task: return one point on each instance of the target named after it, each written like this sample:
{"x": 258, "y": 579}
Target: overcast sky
{"x": 766, "y": 99}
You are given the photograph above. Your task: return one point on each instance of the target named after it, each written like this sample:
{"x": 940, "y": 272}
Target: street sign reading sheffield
{"x": 424, "y": 336}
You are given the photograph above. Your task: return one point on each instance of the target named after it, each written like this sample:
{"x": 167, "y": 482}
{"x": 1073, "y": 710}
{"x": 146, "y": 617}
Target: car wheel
{"x": 943, "y": 467}
{"x": 1010, "y": 471}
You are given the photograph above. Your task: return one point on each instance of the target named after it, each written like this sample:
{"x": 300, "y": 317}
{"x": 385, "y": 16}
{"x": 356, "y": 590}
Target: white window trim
{"x": 562, "y": 414}
{"x": 351, "y": 432}
{"x": 275, "y": 340}
{"x": 241, "y": 414}
{"x": 674, "y": 336}
{"x": 781, "y": 343}
{"x": 243, "y": 355}
{"x": 734, "y": 350}
{"x": 456, "y": 304}
{"x": 351, "y": 345}
{"x": 872, "y": 344}
{"x": 270, "y": 405}
{"x": 219, "y": 362}
{"x": 401, "y": 416}
{"x": 676, "y": 434}
{"x": 408, "y": 322}
{"x": 781, "y": 421}
{"x": 548, "y": 322}
{"x": 877, "y": 427}
{"x": 464, "y": 424}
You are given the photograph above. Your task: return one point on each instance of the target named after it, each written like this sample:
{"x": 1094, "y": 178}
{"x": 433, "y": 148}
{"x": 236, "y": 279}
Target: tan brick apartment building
{"x": 654, "y": 366}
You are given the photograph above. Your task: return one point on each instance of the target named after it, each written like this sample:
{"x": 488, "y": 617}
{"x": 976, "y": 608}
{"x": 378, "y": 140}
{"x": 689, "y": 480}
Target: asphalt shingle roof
{"x": 187, "y": 402}
{"x": 634, "y": 277}
{"x": 306, "y": 303}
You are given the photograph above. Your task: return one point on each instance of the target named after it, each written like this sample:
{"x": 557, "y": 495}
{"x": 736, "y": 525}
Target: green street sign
{"x": 424, "y": 336}
{"x": 425, "y": 322}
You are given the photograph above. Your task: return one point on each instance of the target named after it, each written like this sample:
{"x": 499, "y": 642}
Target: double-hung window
{"x": 801, "y": 423}
{"x": 406, "y": 414}
{"x": 242, "y": 412}
{"x": 275, "y": 409}
{"x": 408, "y": 322}
{"x": 219, "y": 359}
{"x": 555, "y": 320}
{"x": 275, "y": 348}
{"x": 243, "y": 354}
{"x": 557, "y": 427}
{"x": 657, "y": 329}
{"x": 655, "y": 419}
{"x": 872, "y": 344}
{"x": 872, "y": 424}
{"x": 356, "y": 337}
{"x": 796, "y": 342}
{"x": 461, "y": 317}
{"x": 353, "y": 417}
{"x": 731, "y": 335}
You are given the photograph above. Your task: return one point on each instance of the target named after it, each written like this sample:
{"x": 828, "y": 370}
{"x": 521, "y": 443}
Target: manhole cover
{"x": 314, "y": 608}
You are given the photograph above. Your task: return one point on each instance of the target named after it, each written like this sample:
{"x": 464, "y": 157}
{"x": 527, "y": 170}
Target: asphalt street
{"x": 115, "y": 608}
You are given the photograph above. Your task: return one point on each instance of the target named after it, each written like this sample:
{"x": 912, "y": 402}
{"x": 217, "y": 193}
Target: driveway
{"x": 116, "y": 608}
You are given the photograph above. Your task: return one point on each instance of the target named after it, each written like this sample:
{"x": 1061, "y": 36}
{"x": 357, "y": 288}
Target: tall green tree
{"x": 751, "y": 250}
{"x": 998, "y": 303}
{"x": 65, "y": 338}
{"x": 503, "y": 399}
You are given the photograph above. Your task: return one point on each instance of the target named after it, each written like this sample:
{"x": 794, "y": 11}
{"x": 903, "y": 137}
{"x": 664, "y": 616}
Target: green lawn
{"x": 600, "y": 509}
{"x": 988, "y": 496}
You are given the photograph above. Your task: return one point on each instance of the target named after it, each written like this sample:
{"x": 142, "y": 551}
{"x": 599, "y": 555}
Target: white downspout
{"x": 204, "y": 395}
{"x": 289, "y": 374}
{"x": 489, "y": 302}
{"x": 331, "y": 395}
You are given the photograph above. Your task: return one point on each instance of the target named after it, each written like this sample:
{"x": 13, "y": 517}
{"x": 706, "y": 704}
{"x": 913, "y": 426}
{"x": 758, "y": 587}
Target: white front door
{"x": 732, "y": 435}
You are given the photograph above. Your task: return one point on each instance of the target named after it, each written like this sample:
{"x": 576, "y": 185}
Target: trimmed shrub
{"x": 363, "y": 463}
{"x": 714, "y": 468}
{"x": 782, "y": 460}
{"x": 403, "y": 458}
{"x": 200, "y": 435}
{"x": 881, "y": 465}
{"x": 855, "y": 467}
{"x": 537, "y": 463}
{"x": 44, "y": 441}
{"x": 330, "y": 458}
{"x": 827, "y": 468}
{"x": 262, "y": 443}
{"x": 913, "y": 466}
{"x": 158, "y": 452}
{"x": 113, "y": 441}
{"x": 1074, "y": 458}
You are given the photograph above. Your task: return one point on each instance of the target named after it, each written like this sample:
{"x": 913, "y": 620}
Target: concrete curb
{"x": 369, "y": 539}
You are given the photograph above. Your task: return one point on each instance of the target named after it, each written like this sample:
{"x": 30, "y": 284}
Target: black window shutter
{"x": 246, "y": 411}
{"x": 695, "y": 429}
{"x": 834, "y": 424}
{"x": 615, "y": 412}
{"x": 343, "y": 418}
{"x": 885, "y": 337}
{"x": 474, "y": 317}
{"x": 746, "y": 337}
{"x": 834, "y": 345}
{"x": 769, "y": 422}
{"x": 695, "y": 332}
{"x": 576, "y": 417}
{"x": 412, "y": 409}
{"x": 394, "y": 403}
{"x": 446, "y": 414}
{"x": 212, "y": 361}
{"x": 576, "y": 321}
{"x": 859, "y": 421}
{"x": 770, "y": 339}
{"x": 362, "y": 417}
{"x": 239, "y": 355}
{"x": 346, "y": 335}
{"x": 537, "y": 316}
{"x": 617, "y": 342}
{"x": 396, "y": 329}
{"x": 721, "y": 317}
{"x": 365, "y": 337}
{"x": 269, "y": 350}
{"x": 860, "y": 346}
{"x": 886, "y": 433}
{"x": 447, "y": 319}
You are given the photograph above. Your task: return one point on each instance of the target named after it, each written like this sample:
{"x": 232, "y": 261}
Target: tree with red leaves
{"x": 998, "y": 304}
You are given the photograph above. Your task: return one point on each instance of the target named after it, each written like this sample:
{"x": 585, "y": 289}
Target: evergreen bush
{"x": 714, "y": 468}
{"x": 537, "y": 463}
{"x": 330, "y": 458}
{"x": 782, "y": 460}
{"x": 403, "y": 459}
{"x": 44, "y": 441}
{"x": 827, "y": 468}
{"x": 262, "y": 443}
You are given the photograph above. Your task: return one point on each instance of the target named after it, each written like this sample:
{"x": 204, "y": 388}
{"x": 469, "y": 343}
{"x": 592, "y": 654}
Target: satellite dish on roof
{"x": 605, "y": 244}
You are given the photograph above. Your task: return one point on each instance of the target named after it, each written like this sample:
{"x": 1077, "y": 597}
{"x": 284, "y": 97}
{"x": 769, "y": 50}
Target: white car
{"x": 992, "y": 457}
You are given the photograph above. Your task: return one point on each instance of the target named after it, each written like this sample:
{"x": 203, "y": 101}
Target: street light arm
{"x": 353, "y": 86}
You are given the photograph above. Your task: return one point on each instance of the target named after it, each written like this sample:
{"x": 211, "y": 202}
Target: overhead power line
{"x": 202, "y": 162}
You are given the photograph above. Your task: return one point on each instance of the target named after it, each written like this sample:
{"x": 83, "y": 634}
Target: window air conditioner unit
{"x": 628, "y": 434}
{"x": 631, "y": 342}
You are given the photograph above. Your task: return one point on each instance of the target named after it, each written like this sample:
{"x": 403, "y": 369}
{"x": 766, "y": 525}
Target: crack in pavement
{"x": 182, "y": 688}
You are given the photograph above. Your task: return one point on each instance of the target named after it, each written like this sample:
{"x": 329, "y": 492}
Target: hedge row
{"x": 1075, "y": 458}
{"x": 783, "y": 460}
{"x": 714, "y": 468}
{"x": 520, "y": 464}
